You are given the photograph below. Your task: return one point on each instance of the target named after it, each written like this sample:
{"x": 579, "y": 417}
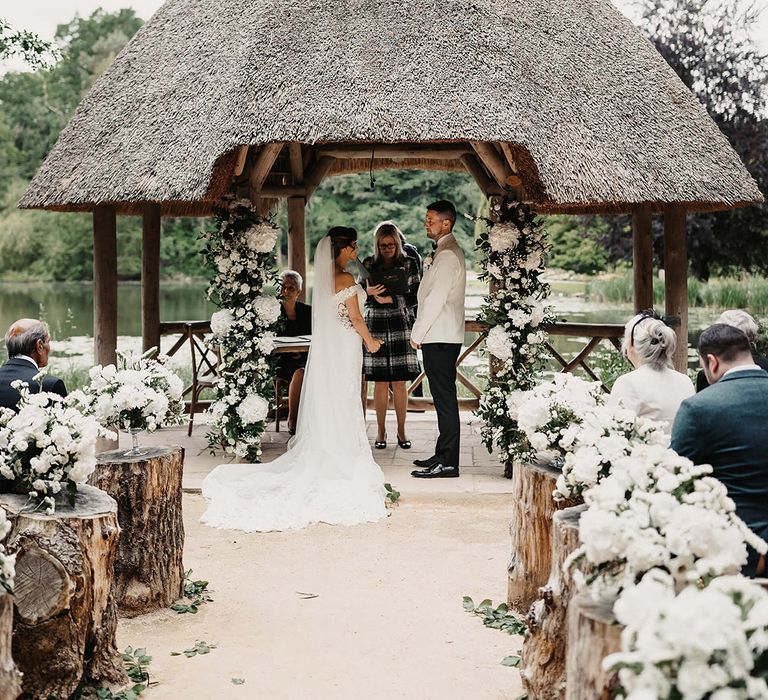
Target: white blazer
{"x": 652, "y": 393}
{"x": 440, "y": 317}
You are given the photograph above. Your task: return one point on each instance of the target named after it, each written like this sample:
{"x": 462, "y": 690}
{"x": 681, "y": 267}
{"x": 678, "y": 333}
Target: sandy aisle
{"x": 387, "y": 622}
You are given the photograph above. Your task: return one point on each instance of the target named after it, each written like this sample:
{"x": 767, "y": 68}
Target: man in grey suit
{"x": 28, "y": 342}
{"x": 727, "y": 426}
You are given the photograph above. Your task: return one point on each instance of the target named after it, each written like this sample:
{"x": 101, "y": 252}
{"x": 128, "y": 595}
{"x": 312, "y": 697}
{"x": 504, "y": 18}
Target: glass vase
{"x": 135, "y": 450}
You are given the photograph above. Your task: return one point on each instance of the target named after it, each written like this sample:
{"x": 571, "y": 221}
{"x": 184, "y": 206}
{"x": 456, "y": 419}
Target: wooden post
{"x": 642, "y": 257}
{"x": 10, "y": 678}
{"x": 676, "y": 277}
{"x": 66, "y": 617}
{"x": 297, "y": 257}
{"x": 104, "y": 285}
{"x": 150, "y": 277}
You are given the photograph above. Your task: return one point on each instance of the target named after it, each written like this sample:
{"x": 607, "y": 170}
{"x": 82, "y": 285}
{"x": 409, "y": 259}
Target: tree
{"x": 29, "y": 46}
{"x": 708, "y": 44}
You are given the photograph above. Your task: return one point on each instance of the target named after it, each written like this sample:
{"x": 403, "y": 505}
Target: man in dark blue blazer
{"x": 29, "y": 343}
{"x": 727, "y": 426}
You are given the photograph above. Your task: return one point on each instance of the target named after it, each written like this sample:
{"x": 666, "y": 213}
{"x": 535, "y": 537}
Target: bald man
{"x": 28, "y": 342}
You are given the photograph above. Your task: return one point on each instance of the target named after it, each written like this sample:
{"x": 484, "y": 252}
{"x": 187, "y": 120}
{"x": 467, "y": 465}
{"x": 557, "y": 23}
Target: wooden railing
{"x": 203, "y": 358}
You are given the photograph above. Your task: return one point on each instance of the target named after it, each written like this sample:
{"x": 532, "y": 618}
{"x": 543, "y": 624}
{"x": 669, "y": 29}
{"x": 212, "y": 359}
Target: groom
{"x": 439, "y": 332}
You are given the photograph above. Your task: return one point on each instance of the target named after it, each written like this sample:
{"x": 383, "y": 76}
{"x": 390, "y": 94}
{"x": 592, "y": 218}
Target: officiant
{"x": 295, "y": 320}
{"x": 392, "y": 286}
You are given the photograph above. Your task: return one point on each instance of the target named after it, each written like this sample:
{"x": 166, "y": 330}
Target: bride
{"x": 328, "y": 474}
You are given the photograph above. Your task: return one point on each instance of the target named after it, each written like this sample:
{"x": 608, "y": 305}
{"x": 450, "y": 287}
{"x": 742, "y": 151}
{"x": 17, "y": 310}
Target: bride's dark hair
{"x": 341, "y": 237}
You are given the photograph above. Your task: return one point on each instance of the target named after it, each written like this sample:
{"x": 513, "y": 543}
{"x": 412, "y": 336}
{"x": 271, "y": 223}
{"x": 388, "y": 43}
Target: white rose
{"x": 221, "y": 322}
{"x": 252, "y": 409}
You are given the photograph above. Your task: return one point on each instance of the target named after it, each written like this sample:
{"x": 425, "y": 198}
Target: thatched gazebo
{"x": 567, "y": 103}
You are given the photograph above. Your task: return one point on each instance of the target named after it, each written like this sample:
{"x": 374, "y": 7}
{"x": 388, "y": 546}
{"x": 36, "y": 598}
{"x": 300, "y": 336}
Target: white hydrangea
{"x": 261, "y": 237}
{"x": 253, "y": 409}
{"x": 221, "y": 322}
{"x": 267, "y": 309}
{"x": 503, "y": 236}
{"x": 499, "y": 343}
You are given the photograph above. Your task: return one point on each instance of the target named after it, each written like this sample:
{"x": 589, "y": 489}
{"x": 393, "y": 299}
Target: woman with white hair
{"x": 654, "y": 389}
{"x": 748, "y": 326}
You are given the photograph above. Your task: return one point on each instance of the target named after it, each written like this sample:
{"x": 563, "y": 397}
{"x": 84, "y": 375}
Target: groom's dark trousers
{"x": 440, "y": 368}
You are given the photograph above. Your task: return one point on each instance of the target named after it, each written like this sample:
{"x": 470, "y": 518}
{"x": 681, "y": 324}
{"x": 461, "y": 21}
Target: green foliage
{"x": 29, "y": 46}
{"x": 498, "y": 618}
{"x": 200, "y": 648}
{"x": 513, "y": 660}
{"x": 135, "y": 663}
{"x": 195, "y": 595}
{"x": 393, "y": 495}
{"x": 575, "y": 247}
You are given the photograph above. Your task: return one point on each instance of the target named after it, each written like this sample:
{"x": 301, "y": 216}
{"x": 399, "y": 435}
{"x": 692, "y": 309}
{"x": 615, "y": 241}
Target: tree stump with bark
{"x": 66, "y": 617}
{"x": 592, "y": 635}
{"x": 544, "y": 647}
{"x": 10, "y": 678}
{"x": 149, "y": 572}
{"x": 531, "y": 530}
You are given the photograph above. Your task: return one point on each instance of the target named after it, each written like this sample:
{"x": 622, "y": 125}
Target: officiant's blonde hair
{"x": 388, "y": 229}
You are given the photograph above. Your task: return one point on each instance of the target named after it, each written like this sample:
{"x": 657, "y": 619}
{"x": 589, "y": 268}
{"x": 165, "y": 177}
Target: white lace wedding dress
{"x": 328, "y": 473}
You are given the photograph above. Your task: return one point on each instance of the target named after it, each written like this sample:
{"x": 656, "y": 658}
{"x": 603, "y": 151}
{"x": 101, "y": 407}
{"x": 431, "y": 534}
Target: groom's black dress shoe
{"x": 425, "y": 463}
{"x": 436, "y": 471}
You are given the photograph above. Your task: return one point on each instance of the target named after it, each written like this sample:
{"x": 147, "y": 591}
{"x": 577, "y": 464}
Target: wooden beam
{"x": 642, "y": 257}
{"x": 297, "y": 256}
{"x": 676, "y": 277}
{"x": 396, "y": 151}
{"x": 490, "y": 158}
{"x": 487, "y": 186}
{"x": 282, "y": 191}
{"x": 297, "y": 163}
{"x": 104, "y": 285}
{"x": 262, "y": 165}
{"x": 150, "y": 277}
{"x": 242, "y": 154}
{"x": 317, "y": 173}
{"x": 507, "y": 150}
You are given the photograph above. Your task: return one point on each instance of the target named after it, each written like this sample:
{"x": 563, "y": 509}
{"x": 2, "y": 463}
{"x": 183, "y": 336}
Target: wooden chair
{"x": 205, "y": 369}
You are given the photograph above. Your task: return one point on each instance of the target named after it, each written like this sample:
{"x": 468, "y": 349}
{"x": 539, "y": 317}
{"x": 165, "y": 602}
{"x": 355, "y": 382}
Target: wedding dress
{"x": 328, "y": 473}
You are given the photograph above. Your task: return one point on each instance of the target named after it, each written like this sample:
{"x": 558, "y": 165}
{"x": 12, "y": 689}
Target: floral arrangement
{"x": 241, "y": 250}
{"x": 48, "y": 446}
{"x": 7, "y": 561}
{"x": 602, "y": 435}
{"x": 658, "y": 510}
{"x": 701, "y": 643}
{"x": 139, "y": 394}
{"x": 548, "y": 415}
{"x": 514, "y": 249}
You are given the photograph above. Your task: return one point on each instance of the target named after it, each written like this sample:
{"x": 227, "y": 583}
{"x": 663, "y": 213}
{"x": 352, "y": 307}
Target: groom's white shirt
{"x": 441, "y": 295}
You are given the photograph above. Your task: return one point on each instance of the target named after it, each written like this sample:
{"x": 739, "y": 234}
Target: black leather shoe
{"x": 425, "y": 463}
{"x": 437, "y": 471}
{"x": 404, "y": 444}
{"x": 380, "y": 444}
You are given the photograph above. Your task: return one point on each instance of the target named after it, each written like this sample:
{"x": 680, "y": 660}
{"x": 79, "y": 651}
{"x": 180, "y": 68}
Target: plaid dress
{"x": 397, "y": 360}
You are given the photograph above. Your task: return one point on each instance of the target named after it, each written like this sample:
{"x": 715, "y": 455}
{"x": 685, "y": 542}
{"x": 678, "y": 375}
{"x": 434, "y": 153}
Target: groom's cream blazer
{"x": 441, "y": 294}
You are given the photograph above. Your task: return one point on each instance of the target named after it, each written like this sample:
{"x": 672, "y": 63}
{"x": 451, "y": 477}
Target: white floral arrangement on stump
{"x": 602, "y": 435}
{"x": 549, "y": 415}
{"x": 242, "y": 251}
{"x": 701, "y": 643}
{"x": 140, "y": 393}
{"x": 48, "y": 446}
{"x": 514, "y": 249}
{"x": 658, "y": 510}
{"x": 7, "y": 561}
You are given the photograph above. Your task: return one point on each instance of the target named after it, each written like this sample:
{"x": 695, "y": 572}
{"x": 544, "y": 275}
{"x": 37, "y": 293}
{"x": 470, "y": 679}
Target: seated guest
{"x": 296, "y": 320}
{"x": 28, "y": 343}
{"x": 654, "y": 389}
{"x": 725, "y": 426}
{"x": 747, "y": 325}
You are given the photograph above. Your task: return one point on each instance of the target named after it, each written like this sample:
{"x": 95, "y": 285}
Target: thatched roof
{"x": 595, "y": 118}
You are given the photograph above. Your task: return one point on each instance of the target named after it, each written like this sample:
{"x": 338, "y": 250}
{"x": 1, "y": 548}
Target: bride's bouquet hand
{"x": 374, "y": 345}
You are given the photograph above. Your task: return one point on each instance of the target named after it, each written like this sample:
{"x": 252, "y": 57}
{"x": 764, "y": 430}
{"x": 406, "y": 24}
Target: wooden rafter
{"x": 316, "y": 173}
{"x": 473, "y": 166}
{"x": 242, "y": 154}
{"x": 297, "y": 162}
{"x": 263, "y": 164}
{"x": 392, "y": 151}
{"x": 490, "y": 158}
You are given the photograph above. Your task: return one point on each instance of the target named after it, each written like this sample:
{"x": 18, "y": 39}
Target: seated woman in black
{"x": 296, "y": 319}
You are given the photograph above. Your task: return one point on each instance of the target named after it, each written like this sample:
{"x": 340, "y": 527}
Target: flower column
{"x": 242, "y": 251}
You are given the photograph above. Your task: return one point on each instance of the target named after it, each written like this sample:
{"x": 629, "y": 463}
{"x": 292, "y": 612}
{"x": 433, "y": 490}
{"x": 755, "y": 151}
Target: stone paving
{"x": 480, "y": 471}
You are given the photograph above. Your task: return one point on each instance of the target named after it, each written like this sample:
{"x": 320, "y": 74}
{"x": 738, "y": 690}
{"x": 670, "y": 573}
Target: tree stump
{"x": 592, "y": 635}
{"x": 531, "y": 530}
{"x": 149, "y": 572}
{"x": 10, "y": 678}
{"x": 544, "y": 647}
{"x": 66, "y": 617}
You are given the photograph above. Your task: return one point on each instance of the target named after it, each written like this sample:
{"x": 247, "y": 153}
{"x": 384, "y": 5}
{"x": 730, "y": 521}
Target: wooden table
{"x": 300, "y": 344}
